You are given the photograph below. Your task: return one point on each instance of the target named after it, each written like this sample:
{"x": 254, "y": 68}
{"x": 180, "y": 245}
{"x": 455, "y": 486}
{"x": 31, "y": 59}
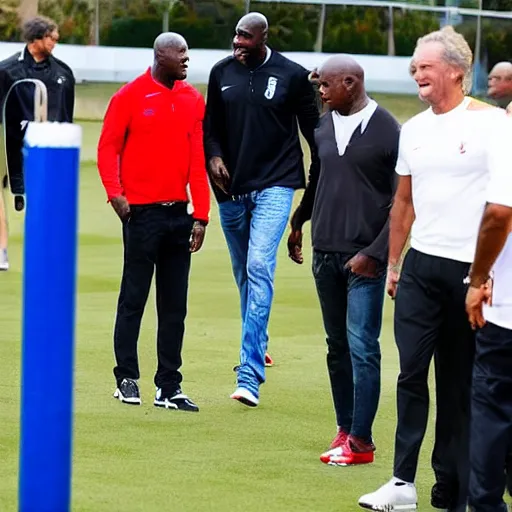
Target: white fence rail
{"x": 108, "y": 64}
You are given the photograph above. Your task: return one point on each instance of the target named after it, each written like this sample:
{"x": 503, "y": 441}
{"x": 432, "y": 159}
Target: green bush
{"x": 133, "y": 32}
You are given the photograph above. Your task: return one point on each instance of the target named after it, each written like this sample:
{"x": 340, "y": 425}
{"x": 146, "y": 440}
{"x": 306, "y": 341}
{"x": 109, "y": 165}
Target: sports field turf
{"x": 226, "y": 458}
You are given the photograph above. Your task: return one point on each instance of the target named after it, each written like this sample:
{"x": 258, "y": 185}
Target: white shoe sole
{"x": 132, "y": 401}
{"x": 245, "y": 397}
{"x": 166, "y": 404}
{"x": 389, "y": 508}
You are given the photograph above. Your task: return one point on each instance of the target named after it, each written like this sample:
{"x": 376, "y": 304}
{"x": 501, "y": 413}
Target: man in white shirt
{"x": 489, "y": 306}
{"x": 445, "y": 158}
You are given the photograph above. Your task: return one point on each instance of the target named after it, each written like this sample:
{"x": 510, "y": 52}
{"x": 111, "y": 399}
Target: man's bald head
{"x": 500, "y": 83}
{"x": 169, "y": 40}
{"x": 341, "y": 80}
{"x": 171, "y": 57}
{"x": 255, "y": 21}
{"x": 503, "y": 67}
{"x": 342, "y": 65}
{"x": 250, "y": 39}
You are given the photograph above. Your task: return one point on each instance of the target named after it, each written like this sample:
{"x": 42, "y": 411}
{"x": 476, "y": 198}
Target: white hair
{"x": 457, "y": 52}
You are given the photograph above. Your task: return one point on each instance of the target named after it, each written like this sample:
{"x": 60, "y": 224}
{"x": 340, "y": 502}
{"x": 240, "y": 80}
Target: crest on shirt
{"x": 61, "y": 79}
{"x": 462, "y": 148}
{"x": 271, "y": 87}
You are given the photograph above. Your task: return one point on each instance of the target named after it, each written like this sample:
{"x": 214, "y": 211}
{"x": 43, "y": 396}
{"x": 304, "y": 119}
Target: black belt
{"x": 165, "y": 204}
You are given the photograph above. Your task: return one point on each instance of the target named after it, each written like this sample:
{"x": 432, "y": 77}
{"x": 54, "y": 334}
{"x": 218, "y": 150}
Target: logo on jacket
{"x": 149, "y": 112}
{"x": 271, "y": 87}
{"x": 462, "y": 148}
{"x": 61, "y": 79}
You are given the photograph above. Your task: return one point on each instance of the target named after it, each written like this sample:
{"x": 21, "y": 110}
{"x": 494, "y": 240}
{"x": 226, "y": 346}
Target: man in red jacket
{"x": 150, "y": 154}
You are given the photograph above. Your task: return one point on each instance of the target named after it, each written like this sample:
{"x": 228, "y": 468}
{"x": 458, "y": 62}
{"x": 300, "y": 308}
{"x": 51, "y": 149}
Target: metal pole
{"x": 97, "y": 23}
{"x": 165, "y": 20}
{"x": 477, "y": 66}
{"x": 405, "y": 6}
{"x": 320, "y": 31}
{"x": 51, "y": 162}
{"x": 391, "y": 32}
{"x": 478, "y": 41}
{"x": 247, "y": 6}
{"x": 40, "y": 110}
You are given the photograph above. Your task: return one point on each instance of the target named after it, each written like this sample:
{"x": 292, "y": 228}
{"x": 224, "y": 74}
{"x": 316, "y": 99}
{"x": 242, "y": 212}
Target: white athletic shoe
{"x": 245, "y": 397}
{"x": 4, "y": 261}
{"x": 394, "y": 495}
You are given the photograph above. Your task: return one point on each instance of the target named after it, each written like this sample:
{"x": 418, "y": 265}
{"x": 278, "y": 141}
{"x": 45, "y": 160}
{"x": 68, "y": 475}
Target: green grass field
{"x": 226, "y": 458}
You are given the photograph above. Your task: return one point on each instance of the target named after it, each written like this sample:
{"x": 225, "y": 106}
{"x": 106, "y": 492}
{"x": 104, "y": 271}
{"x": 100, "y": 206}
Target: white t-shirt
{"x": 499, "y": 192}
{"x": 450, "y": 157}
{"x": 344, "y": 126}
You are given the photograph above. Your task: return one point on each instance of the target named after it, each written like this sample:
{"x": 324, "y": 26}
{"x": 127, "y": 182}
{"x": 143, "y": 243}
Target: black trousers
{"x": 491, "y": 422}
{"x": 155, "y": 238}
{"x": 430, "y": 320}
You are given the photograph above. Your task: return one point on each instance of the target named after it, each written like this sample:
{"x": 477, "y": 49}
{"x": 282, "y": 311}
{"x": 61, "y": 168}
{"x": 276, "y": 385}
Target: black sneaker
{"x": 177, "y": 401}
{"x": 443, "y": 496}
{"x": 128, "y": 392}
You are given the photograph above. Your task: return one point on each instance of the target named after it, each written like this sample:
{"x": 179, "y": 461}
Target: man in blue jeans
{"x": 348, "y": 202}
{"x": 255, "y": 99}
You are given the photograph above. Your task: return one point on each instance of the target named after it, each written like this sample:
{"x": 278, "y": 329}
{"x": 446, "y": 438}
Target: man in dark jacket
{"x": 35, "y": 61}
{"x": 255, "y": 99}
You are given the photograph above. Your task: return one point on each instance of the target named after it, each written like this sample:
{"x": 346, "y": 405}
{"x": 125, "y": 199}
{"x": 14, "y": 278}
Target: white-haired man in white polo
{"x": 445, "y": 159}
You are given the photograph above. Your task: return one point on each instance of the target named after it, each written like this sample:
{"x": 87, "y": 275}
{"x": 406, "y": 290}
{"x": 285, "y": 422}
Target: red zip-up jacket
{"x": 151, "y": 145}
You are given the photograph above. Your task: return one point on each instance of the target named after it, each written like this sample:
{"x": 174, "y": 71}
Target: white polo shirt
{"x": 499, "y": 192}
{"x": 449, "y": 158}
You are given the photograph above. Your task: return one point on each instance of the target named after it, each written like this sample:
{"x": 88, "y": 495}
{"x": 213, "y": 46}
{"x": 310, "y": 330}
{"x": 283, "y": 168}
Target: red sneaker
{"x": 353, "y": 452}
{"x": 339, "y": 440}
{"x": 268, "y": 360}
{"x": 336, "y": 447}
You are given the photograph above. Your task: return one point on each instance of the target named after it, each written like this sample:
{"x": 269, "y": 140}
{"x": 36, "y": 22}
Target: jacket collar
{"x": 178, "y": 84}
{"x": 26, "y": 57}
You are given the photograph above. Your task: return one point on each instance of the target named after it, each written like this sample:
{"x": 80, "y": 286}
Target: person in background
{"x": 4, "y": 228}
{"x": 35, "y": 61}
{"x": 446, "y": 156}
{"x": 348, "y": 201}
{"x": 500, "y": 85}
{"x": 149, "y": 153}
{"x": 255, "y": 100}
{"x": 489, "y": 306}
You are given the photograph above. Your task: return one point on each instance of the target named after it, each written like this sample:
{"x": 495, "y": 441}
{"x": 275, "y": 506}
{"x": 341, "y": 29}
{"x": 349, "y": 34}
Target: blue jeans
{"x": 352, "y": 314}
{"x": 253, "y": 225}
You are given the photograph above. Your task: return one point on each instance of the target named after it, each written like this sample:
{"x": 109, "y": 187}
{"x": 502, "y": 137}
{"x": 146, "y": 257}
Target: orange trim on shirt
{"x": 475, "y": 104}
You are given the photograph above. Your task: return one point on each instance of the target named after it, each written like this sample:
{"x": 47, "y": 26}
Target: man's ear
{"x": 348, "y": 82}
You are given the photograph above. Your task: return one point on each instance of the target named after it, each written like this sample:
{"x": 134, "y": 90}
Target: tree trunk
{"x": 28, "y": 9}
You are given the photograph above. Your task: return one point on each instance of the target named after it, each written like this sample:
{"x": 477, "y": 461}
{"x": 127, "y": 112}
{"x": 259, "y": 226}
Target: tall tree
{"x": 28, "y": 9}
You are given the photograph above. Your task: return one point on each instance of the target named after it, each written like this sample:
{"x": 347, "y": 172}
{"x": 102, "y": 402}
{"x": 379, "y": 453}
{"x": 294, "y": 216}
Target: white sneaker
{"x": 4, "y": 261}
{"x": 245, "y": 397}
{"x": 395, "y": 495}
